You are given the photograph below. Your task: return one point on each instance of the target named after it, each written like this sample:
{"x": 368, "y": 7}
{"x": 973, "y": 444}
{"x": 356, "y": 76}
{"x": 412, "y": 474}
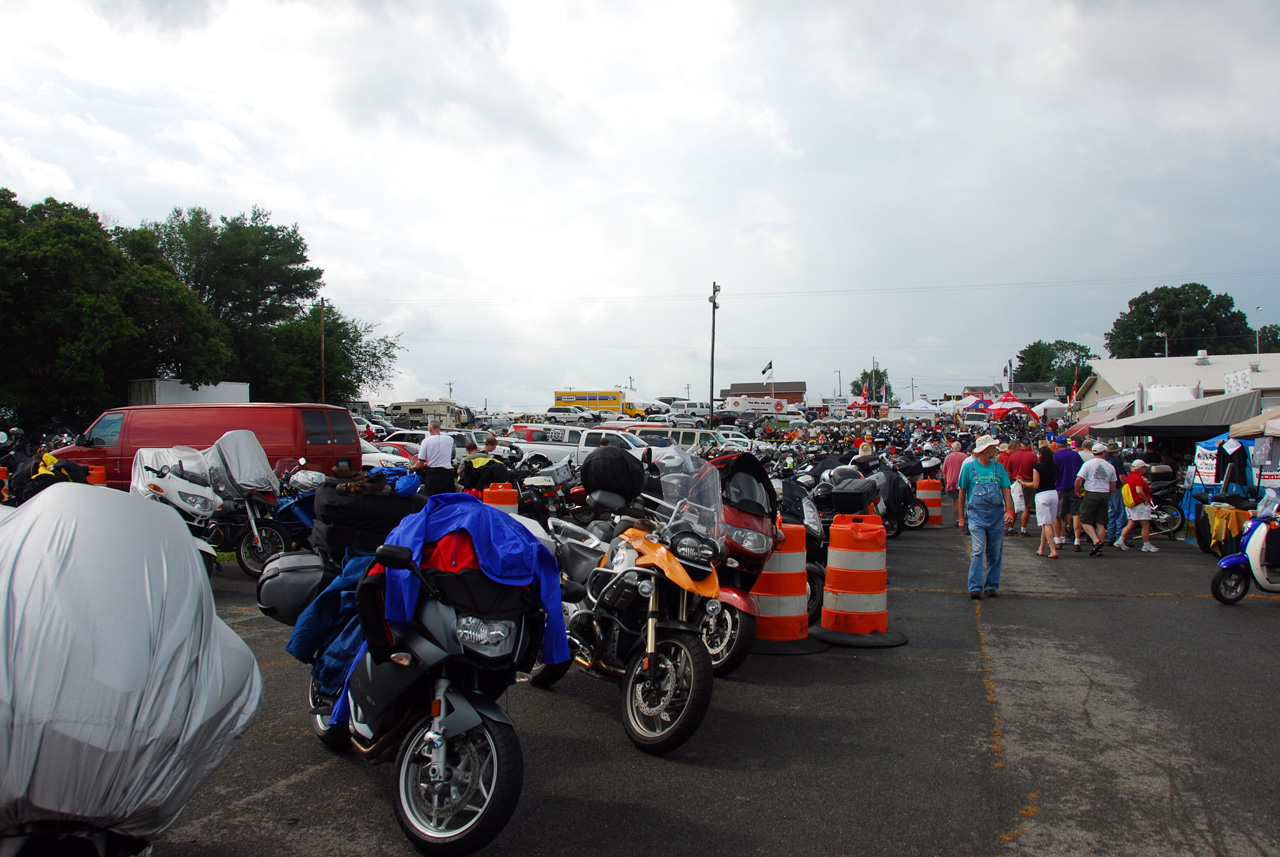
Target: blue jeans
{"x": 1117, "y": 516}
{"x": 986, "y": 532}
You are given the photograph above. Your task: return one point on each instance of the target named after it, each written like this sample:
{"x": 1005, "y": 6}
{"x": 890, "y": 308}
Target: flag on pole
{"x": 768, "y": 373}
{"x": 882, "y": 391}
{"x": 1074, "y": 382}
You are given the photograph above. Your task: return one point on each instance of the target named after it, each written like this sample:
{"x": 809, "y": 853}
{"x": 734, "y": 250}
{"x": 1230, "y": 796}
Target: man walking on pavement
{"x": 1116, "y": 514}
{"x": 436, "y": 452}
{"x": 984, "y": 494}
{"x": 1097, "y": 478}
{"x": 1021, "y": 466}
{"x": 951, "y": 473}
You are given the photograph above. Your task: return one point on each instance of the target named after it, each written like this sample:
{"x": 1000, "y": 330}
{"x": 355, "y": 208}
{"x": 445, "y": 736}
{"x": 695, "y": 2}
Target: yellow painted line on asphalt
{"x": 1057, "y": 594}
{"x": 1031, "y": 810}
{"x": 997, "y": 733}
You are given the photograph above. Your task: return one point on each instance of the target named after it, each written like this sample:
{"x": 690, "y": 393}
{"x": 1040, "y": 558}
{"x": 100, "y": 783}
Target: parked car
{"x": 366, "y": 428}
{"x": 557, "y": 442}
{"x": 372, "y": 457}
{"x": 324, "y": 434}
{"x": 404, "y": 449}
{"x": 572, "y": 414}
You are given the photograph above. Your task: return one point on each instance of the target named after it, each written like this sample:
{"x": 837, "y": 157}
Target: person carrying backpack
{"x": 1139, "y": 492}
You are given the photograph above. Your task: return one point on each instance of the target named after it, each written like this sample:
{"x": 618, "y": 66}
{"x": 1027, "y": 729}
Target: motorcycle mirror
{"x": 4, "y": 437}
{"x": 302, "y": 461}
{"x": 394, "y": 556}
{"x": 646, "y": 457}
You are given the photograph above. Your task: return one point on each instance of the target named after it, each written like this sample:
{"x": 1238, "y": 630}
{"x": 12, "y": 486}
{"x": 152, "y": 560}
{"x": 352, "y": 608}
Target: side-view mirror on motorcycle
{"x": 394, "y": 556}
{"x": 646, "y": 457}
{"x": 4, "y": 437}
{"x": 302, "y": 461}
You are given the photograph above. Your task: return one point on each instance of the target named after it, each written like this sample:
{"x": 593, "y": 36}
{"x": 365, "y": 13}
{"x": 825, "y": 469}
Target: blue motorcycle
{"x": 1258, "y": 561}
{"x": 297, "y": 507}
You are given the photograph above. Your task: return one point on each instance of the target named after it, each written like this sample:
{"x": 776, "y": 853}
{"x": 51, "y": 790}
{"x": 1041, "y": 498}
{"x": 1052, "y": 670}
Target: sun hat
{"x": 1137, "y": 462}
{"x": 984, "y": 442}
{"x": 1004, "y": 447}
{"x": 1113, "y": 447}
{"x": 1099, "y": 448}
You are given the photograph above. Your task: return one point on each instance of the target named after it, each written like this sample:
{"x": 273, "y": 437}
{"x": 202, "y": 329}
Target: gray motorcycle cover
{"x": 120, "y": 689}
{"x": 240, "y": 456}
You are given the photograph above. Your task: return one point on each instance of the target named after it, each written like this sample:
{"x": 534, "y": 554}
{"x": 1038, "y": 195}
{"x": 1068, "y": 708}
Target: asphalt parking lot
{"x": 1100, "y": 706}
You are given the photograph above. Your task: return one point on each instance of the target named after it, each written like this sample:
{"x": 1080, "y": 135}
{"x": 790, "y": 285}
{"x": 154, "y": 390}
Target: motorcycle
{"x": 225, "y": 494}
{"x": 634, "y": 601}
{"x": 1166, "y": 499}
{"x": 297, "y": 508}
{"x": 1258, "y": 562}
{"x": 797, "y": 507}
{"x": 750, "y": 509}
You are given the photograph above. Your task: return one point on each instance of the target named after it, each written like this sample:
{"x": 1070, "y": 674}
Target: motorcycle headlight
{"x": 812, "y": 520}
{"x": 197, "y": 502}
{"x": 750, "y": 541}
{"x": 688, "y": 546}
{"x": 490, "y": 637}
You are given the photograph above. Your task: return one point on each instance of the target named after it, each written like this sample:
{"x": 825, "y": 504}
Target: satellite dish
{"x": 1151, "y": 379}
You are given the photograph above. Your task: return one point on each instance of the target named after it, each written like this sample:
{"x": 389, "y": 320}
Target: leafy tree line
{"x": 191, "y": 298}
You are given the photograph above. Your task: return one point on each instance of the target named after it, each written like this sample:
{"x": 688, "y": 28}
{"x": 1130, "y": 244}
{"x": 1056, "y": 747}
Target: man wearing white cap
{"x": 1097, "y": 478}
{"x": 1140, "y": 493}
{"x": 984, "y": 494}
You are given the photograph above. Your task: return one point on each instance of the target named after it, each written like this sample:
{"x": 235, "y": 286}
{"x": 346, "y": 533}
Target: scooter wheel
{"x": 1230, "y": 584}
{"x": 916, "y": 516}
{"x": 892, "y": 526}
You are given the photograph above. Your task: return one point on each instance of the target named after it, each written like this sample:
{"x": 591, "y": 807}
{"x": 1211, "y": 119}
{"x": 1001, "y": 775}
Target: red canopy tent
{"x": 1009, "y": 404}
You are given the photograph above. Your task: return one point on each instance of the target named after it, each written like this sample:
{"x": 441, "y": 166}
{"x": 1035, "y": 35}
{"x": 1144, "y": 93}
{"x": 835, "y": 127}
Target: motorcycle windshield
{"x": 691, "y": 489}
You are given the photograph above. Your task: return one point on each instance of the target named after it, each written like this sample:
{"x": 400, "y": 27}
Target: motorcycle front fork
{"x": 435, "y": 739}
{"x": 651, "y": 637}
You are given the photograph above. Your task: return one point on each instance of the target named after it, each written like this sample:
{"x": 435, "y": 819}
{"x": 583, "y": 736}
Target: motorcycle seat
{"x": 607, "y": 500}
{"x": 577, "y": 560}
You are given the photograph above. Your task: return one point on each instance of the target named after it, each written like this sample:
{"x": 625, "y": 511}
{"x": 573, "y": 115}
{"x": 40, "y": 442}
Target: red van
{"x": 325, "y": 434}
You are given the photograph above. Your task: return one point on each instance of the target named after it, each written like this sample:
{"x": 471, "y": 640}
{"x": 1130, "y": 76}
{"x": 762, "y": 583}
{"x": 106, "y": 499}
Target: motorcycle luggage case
{"x": 854, "y": 497}
{"x": 290, "y": 582}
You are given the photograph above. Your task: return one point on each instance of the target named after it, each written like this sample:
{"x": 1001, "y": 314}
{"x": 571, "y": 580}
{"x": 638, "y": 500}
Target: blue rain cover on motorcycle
{"x": 120, "y": 689}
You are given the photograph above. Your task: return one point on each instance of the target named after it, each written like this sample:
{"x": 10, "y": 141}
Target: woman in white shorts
{"x": 1140, "y": 511}
{"x": 1044, "y": 477}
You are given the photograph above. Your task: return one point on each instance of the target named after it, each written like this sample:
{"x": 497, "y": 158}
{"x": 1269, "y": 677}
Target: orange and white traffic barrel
{"x": 97, "y": 474}
{"x": 504, "y": 496}
{"x": 782, "y": 593}
{"x": 929, "y": 491}
{"x": 855, "y": 608}
{"x": 4, "y": 483}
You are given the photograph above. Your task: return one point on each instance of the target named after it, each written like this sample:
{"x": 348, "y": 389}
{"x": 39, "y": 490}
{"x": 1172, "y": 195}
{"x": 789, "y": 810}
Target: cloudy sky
{"x": 539, "y": 194}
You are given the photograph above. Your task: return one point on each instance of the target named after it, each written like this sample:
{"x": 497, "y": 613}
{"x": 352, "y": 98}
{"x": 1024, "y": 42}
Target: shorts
{"x": 1140, "y": 512}
{"x": 1068, "y": 505}
{"x": 1095, "y": 507}
{"x": 1046, "y": 508}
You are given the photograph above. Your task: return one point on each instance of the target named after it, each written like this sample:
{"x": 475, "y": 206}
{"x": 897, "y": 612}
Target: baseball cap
{"x": 1099, "y": 448}
{"x": 1137, "y": 462}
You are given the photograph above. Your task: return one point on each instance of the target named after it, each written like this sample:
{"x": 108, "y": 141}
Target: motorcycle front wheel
{"x": 464, "y": 805}
{"x": 892, "y": 525}
{"x": 916, "y": 516}
{"x": 272, "y": 539}
{"x": 1167, "y": 520}
{"x": 728, "y": 637}
{"x": 663, "y": 715}
{"x": 816, "y": 584}
{"x": 1230, "y": 584}
{"x": 543, "y": 674}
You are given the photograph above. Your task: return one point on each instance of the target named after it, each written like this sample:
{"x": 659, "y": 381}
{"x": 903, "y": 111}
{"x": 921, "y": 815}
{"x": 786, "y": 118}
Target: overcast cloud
{"x": 540, "y": 194}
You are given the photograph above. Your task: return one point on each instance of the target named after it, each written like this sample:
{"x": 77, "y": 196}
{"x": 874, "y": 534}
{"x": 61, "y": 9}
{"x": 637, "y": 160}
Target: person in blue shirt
{"x": 984, "y": 496}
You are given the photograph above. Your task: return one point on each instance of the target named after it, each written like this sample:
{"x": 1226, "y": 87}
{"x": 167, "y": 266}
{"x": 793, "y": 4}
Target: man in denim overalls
{"x": 984, "y": 496}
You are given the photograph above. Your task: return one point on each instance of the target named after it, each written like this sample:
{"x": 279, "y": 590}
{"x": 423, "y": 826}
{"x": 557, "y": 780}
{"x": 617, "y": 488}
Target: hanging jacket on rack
{"x": 1237, "y": 458}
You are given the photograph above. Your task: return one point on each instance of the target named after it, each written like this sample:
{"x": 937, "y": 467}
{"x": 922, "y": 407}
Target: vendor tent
{"x": 1096, "y": 417}
{"x": 1050, "y": 409}
{"x": 1255, "y": 427}
{"x": 920, "y": 405}
{"x": 1008, "y": 404}
{"x": 1209, "y": 416}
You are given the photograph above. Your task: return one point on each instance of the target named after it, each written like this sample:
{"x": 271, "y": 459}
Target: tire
{"x": 338, "y": 738}
{"x": 543, "y": 675}
{"x": 916, "y": 516}
{"x": 683, "y": 695}
{"x": 483, "y": 766}
{"x": 892, "y": 526}
{"x": 728, "y": 637}
{"x": 273, "y": 539}
{"x": 817, "y": 583}
{"x": 1167, "y": 519}
{"x": 582, "y": 514}
{"x": 1230, "y": 584}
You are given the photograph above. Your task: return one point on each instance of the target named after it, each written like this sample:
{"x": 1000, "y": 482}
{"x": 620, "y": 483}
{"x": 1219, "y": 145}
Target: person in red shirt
{"x": 1022, "y": 461}
{"x": 1140, "y": 511}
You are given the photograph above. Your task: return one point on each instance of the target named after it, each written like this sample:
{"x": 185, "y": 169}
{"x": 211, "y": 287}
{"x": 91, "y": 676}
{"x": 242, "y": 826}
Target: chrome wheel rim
{"x": 443, "y": 803}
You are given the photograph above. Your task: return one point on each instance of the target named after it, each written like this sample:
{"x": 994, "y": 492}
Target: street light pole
{"x": 839, "y": 383}
{"x": 711, "y": 397}
{"x": 1165, "y": 337}
{"x": 1257, "y": 330}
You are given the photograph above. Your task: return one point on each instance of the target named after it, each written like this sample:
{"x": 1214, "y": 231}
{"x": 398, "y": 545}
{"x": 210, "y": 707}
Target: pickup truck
{"x": 556, "y": 442}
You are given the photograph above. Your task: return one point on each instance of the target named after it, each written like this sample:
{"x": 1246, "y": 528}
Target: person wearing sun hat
{"x": 984, "y": 495}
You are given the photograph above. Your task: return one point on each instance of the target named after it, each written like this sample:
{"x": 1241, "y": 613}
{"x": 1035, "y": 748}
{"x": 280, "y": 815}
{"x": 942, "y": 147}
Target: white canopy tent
{"x": 1051, "y": 408}
{"x": 920, "y": 405}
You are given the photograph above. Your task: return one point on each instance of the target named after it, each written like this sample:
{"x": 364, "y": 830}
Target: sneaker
{"x": 991, "y": 593}
{"x": 1150, "y": 548}
{"x": 1120, "y": 544}
{"x": 1024, "y": 532}
{"x": 975, "y": 594}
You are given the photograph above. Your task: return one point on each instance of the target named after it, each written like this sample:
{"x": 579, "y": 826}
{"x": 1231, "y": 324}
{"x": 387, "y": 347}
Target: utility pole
{"x": 449, "y": 384}
{"x": 631, "y": 382}
{"x": 913, "y": 388}
{"x": 687, "y": 394}
{"x": 711, "y": 397}
{"x": 839, "y": 383}
{"x": 1257, "y": 330}
{"x": 322, "y": 401}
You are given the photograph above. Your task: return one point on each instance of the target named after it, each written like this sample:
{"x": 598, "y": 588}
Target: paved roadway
{"x": 1099, "y": 706}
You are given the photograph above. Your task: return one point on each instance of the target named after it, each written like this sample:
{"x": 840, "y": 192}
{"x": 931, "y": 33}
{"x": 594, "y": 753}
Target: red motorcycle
{"x": 750, "y": 509}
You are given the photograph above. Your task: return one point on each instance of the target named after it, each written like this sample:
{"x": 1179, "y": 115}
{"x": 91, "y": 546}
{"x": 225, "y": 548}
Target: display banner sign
{"x": 1238, "y": 382}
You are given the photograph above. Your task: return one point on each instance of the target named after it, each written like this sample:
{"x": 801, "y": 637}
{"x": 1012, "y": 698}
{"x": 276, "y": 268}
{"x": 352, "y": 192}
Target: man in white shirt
{"x": 436, "y": 454}
{"x": 1097, "y": 478}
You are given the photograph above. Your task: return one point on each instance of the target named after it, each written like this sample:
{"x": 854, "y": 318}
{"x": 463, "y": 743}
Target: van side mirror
{"x": 81, "y": 440}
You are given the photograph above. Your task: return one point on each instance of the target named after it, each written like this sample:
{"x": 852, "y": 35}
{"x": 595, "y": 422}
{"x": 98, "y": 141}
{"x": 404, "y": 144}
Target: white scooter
{"x": 1258, "y": 561}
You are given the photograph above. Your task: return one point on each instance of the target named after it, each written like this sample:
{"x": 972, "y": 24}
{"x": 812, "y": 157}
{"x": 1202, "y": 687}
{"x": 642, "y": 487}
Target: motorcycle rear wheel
{"x": 728, "y": 637}
{"x": 335, "y": 738}
{"x": 272, "y": 539}
{"x": 892, "y": 525}
{"x": 471, "y": 800}
{"x": 916, "y": 516}
{"x": 816, "y": 583}
{"x": 1167, "y": 520}
{"x": 1230, "y": 585}
{"x": 660, "y": 719}
{"x": 545, "y": 675}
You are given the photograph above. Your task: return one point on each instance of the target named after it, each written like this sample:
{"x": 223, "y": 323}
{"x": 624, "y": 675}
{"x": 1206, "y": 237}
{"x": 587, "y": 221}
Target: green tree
{"x": 84, "y": 317}
{"x": 1056, "y": 361}
{"x": 871, "y": 386}
{"x": 1268, "y": 340}
{"x": 1191, "y": 316}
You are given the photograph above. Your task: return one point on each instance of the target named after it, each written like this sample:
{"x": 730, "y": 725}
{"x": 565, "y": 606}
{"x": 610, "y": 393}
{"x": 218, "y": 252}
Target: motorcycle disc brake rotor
{"x": 717, "y": 632}
{"x": 652, "y": 702}
{"x": 453, "y": 790}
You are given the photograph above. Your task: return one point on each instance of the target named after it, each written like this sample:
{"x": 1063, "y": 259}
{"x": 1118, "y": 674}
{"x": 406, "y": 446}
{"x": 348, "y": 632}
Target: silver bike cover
{"x": 238, "y": 465}
{"x": 120, "y": 689}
